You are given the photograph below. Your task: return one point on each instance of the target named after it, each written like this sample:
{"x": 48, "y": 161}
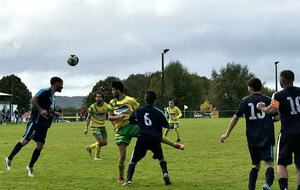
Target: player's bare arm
{"x": 267, "y": 109}
{"x": 88, "y": 120}
{"x": 112, "y": 117}
{"x": 231, "y": 126}
{"x": 35, "y": 104}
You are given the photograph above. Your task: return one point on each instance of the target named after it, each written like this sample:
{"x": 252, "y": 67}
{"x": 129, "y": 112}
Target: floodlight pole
{"x": 276, "y": 83}
{"x": 163, "y": 76}
{"x": 11, "y": 98}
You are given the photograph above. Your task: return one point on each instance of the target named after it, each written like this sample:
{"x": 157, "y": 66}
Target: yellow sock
{"x": 167, "y": 141}
{"x": 177, "y": 132}
{"x": 92, "y": 146}
{"x": 97, "y": 151}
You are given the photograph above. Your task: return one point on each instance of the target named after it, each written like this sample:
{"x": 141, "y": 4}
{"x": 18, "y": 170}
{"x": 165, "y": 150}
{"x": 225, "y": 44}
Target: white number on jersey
{"x": 260, "y": 115}
{"x": 295, "y": 105}
{"x": 147, "y": 120}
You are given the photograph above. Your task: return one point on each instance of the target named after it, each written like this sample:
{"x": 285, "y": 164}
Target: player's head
{"x": 56, "y": 84}
{"x": 171, "y": 103}
{"x": 150, "y": 97}
{"x": 286, "y": 78}
{"x": 99, "y": 97}
{"x": 254, "y": 85}
{"x": 117, "y": 88}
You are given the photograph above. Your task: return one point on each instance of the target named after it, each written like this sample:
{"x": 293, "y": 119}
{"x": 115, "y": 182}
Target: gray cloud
{"x": 120, "y": 37}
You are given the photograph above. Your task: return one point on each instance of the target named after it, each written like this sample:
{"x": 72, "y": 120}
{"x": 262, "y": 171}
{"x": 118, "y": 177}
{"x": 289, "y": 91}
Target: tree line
{"x": 223, "y": 90}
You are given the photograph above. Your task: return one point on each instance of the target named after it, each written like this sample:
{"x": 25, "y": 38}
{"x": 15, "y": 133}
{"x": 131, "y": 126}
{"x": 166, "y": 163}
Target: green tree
{"x": 183, "y": 87}
{"x": 229, "y": 86}
{"x": 70, "y": 110}
{"x": 136, "y": 85}
{"x": 105, "y": 87}
{"x": 155, "y": 85}
{"x": 21, "y": 95}
{"x": 267, "y": 91}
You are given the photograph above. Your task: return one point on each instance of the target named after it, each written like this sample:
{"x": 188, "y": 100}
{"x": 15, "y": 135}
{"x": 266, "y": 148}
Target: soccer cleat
{"x": 7, "y": 164}
{"x": 126, "y": 184}
{"x": 178, "y": 140}
{"x": 179, "y": 146}
{"x": 120, "y": 180}
{"x": 97, "y": 158}
{"x": 30, "y": 171}
{"x": 89, "y": 150}
{"x": 266, "y": 187}
{"x": 167, "y": 179}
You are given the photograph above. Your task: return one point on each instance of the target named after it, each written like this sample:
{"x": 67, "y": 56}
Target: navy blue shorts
{"x": 36, "y": 132}
{"x": 145, "y": 144}
{"x": 261, "y": 153}
{"x": 288, "y": 145}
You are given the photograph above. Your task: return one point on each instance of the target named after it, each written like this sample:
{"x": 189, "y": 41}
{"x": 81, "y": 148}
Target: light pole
{"x": 276, "y": 85}
{"x": 163, "y": 75}
{"x": 11, "y": 98}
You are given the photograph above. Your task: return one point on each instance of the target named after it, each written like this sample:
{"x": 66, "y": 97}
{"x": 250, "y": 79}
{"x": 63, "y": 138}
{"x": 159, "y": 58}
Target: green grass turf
{"x": 64, "y": 164}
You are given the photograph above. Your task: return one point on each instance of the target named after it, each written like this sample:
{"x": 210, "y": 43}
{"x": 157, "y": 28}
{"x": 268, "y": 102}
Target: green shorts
{"x": 125, "y": 134}
{"x": 99, "y": 132}
{"x": 172, "y": 125}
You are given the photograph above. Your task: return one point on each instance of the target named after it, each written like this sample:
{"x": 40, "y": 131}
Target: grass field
{"x": 64, "y": 164}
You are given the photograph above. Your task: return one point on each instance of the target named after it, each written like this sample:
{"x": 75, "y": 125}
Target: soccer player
{"x": 287, "y": 101}
{"x": 259, "y": 132}
{"x": 40, "y": 120}
{"x": 96, "y": 119}
{"x": 120, "y": 109}
{"x": 173, "y": 113}
{"x": 150, "y": 122}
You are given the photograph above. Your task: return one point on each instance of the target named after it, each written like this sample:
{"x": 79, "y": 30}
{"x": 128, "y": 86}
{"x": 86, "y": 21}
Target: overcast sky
{"x": 121, "y": 37}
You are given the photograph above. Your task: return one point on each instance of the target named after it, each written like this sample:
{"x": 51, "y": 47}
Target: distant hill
{"x": 67, "y": 101}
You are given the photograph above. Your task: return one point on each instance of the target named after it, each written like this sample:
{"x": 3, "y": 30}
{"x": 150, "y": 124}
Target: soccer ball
{"x": 73, "y": 60}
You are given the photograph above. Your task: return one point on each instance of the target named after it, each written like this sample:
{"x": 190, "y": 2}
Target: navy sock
{"x": 15, "y": 150}
{"x": 269, "y": 176}
{"x": 252, "y": 178}
{"x": 283, "y": 183}
{"x": 130, "y": 171}
{"x": 35, "y": 155}
{"x": 163, "y": 166}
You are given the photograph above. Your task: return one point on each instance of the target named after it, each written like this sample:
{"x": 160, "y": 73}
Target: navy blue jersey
{"x": 45, "y": 99}
{"x": 259, "y": 125}
{"x": 150, "y": 121}
{"x": 289, "y": 109}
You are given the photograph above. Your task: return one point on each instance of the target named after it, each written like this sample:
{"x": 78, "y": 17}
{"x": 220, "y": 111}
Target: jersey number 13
{"x": 260, "y": 115}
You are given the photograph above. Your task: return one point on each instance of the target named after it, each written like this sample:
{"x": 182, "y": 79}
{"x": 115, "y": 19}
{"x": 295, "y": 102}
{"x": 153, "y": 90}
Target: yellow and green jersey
{"x": 98, "y": 114}
{"x": 173, "y": 114}
{"x": 125, "y": 106}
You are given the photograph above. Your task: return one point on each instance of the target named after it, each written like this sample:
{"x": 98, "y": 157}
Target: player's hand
{"x": 85, "y": 131}
{"x": 223, "y": 137}
{"x": 43, "y": 113}
{"x": 260, "y": 105}
{"x": 57, "y": 114}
